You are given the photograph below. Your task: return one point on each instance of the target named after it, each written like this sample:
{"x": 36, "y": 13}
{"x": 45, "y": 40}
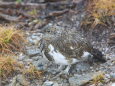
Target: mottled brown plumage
{"x": 72, "y": 47}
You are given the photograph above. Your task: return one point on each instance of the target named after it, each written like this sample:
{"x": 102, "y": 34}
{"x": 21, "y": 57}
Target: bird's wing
{"x": 49, "y": 57}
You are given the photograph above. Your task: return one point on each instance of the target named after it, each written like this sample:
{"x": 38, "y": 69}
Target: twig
{"x": 56, "y": 14}
{"x": 111, "y": 39}
{"x": 39, "y": 26}
{"x": 9, "y": 18}
{"x": 18, "y": 5}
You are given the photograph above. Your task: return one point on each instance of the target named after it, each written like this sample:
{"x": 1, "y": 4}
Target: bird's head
{"x": 87, "y": 56}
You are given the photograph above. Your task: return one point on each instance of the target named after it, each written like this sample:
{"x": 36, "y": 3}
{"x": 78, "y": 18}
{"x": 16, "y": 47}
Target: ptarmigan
{"x": 70, "y": 48}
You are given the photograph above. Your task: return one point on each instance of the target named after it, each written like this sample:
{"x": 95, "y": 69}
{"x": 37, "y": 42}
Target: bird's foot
{"x": 64, "y": 72}
{"x": 61, "y": 73}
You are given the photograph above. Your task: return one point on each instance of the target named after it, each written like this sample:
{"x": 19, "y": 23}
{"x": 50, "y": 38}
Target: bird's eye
{"x": 90, "y": 56}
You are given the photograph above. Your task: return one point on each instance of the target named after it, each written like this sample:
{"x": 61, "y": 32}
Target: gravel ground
{"x": 82, "y": 74}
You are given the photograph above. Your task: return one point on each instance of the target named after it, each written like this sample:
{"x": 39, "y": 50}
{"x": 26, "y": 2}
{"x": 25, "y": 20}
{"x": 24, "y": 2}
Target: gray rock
{"x": 112, "y": 76}
{"x": 113, "y": 84}
{"x": 79, "y": 80}
{"x": 28, "y": 60}
{"x": 35, "y": 38}
{"x": 40, "y": 64}
{"x": 82, "y": 67}
{"x": 110, "y": 84}
{"x": 30, "y": 40}
{"x": 36, "y": 63}
{"x": 13, "y": 83}
{"x": 18, "y": 84}
{"x": 19, "y": 80}
{"x": 21, "y": 57}
{"x": 50, "y": 83}
{"x": 107, "y": 78}
{"x": 41, "y": 1}
{"x": 35, "y": 58}
{"x": 33, "y": 52}
{"x": 35, "y": 42}
{"x": 108, "y": 75}
{"x": 33, "y": 84}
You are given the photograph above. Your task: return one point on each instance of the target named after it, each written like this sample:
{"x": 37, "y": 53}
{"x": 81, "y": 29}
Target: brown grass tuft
{"x": 8, "y": 66}
{"x": 100, "y": 12}
{"x": 32, "y": 72}
{"x": 98, "y": 78}
{"x": 11, "y": 39}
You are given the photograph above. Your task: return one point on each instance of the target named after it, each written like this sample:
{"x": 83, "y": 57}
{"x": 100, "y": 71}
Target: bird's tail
{"x": 98, "y": 55}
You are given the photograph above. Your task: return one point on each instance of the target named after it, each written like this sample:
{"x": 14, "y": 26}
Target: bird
{"x": 70, "y": 48}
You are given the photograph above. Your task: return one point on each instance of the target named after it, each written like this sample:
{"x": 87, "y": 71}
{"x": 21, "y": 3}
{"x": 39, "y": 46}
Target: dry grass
{"x": 11, "y": 39}
{"x": 100, "y": 12}
{"x": 32, "y": 72}
{"x": 98, "y": 78}
{"x": 33, "y": 12}
{"x": 103, "y": 8}
{"x": 8, "y": 66}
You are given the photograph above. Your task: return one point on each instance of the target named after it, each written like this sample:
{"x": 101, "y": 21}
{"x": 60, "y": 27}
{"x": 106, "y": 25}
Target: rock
{"x": 19, "y": 80}
{"x": 112, "y": 76}
{"x": 53, "y": 0}
{"x": 35, "y": 42}
{"x": 41, "y": 0}
{"x": 18, "y": 84}
{"x": 28, "y": 61}
{"x": 35, "y": 38}
{"x": 35, "y": 58}
{"x": 92, "y": 85}
{"x": 40, "y": 64}
{"x": 36, "y": 63}
{"x": 50, "y": 83}
{"x": 33, "y": 84}
{"x": 108, "y": 75}
{"x": 78, "y": 80}
{"x": 13, "y": 82}
{"x": 113, "y": 84}
{"x": 111, "y": 40}
{"x": 110, "y": 84}
{"x": 21, "y": 57}
{"x": 107, "y": 78}
{"x": 33, "y": 52}
{"x": 40, "y": 67}
{"x": 81, "y": 67}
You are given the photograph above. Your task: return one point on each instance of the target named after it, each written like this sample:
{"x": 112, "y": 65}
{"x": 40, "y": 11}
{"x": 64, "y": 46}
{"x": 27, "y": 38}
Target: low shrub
{"x": 11, "y": 40}
{"x": 8, "y": 66}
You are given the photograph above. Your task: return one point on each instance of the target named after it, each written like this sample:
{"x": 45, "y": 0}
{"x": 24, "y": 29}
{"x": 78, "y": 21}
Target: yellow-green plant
{"x": 100, "y": 11}
{"x": 33, "y": 12}
{"x": 18, "y": 1}
{"x": 99, "y": 78}
{"x": 11, "y": 39}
